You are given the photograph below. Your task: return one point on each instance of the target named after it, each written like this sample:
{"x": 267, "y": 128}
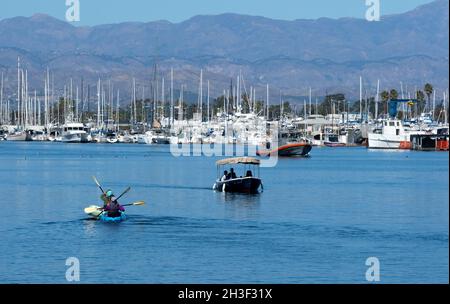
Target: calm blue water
{"x": 317, "y": 221}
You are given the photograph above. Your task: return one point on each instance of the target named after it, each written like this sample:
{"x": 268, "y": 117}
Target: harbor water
{"x": 318, "y": 220}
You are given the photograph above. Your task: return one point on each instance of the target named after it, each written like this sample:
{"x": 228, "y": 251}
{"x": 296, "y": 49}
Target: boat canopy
{"x": 238, "y": 160}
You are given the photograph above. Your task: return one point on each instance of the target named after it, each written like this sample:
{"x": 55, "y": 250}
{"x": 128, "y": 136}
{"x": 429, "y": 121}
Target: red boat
{"x": 291, "y": 149}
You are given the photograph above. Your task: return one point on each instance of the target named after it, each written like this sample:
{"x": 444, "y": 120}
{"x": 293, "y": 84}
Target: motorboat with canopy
{"x": 229, "y": 181}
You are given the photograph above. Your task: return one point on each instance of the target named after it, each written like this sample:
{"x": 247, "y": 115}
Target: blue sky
{"x": 94, "y": 12}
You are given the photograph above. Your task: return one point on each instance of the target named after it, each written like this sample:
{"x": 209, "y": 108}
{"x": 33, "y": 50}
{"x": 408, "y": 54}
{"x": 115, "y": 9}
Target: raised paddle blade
{"x": 96, "y": 181}
{"x": 98, "y": 184}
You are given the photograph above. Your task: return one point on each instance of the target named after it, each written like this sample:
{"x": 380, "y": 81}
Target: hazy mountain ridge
{"x": 327, "y": 54}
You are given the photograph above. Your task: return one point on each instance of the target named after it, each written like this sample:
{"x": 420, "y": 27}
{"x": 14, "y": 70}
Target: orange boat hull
{"x": 296, "y": 149}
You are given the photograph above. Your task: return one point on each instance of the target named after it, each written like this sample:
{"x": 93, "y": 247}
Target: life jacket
{"x": 113, "y": 208}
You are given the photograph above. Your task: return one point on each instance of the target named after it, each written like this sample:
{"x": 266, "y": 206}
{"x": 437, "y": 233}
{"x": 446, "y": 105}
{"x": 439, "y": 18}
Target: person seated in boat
{"x": 225, "y": 176}
{"x": 113, "y": 208}
{"x": 232, "y": 174}
{"x": 249, "y": 173}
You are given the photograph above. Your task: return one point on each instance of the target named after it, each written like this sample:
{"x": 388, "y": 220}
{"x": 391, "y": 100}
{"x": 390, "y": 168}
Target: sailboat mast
{"x": 18, "y": 122}
{"x": 360, "y": 98}
{"x": 163, "y": 99}
{"x": 2, "y": 112}
{"x": 377, "y": 99}
{"x": 310, "y": 100}
{"x": 118, "y": 110}
{"x": 200, "y": 105}
{"x": 134, "y": 102}
{"x": 207, "y": 107}
{"x": 180, "y": 109}
{"x": 26, "y": 99}
{"x": 98, "y": 103}
{"x": 267, "y": 102}
{"x": 171, "y": 97}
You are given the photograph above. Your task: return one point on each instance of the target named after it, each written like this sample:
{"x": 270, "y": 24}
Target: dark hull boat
{"x": 239, "y": 185}
{"x": 293, "y": 149}
{"x": 229, "y": 182}
{"x": 160, "y": 141}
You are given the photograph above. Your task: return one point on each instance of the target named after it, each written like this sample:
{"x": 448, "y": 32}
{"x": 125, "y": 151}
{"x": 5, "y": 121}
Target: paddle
{"x": 95, "y": 208}
{"x": 126, "y": 190}
{"x": 98, "y": 184}
{"x": 139, "y": 203}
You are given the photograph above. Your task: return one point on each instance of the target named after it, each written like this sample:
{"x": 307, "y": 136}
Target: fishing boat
{"x": 74, "y": 133}
{"x": 332, "y": 140}
{"x": 392, "y": 135}
{"x": 290, "y": 143}
{"x": 292, "y": 149}
{"x": 243, "y": 184}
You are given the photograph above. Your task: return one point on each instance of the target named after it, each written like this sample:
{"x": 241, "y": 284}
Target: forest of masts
{"x": 101, "y": 104}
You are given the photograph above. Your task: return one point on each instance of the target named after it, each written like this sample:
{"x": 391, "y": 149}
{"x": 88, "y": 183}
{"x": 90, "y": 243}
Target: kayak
{"x": 107, "y": 219}
{"x": 97, "y": 212}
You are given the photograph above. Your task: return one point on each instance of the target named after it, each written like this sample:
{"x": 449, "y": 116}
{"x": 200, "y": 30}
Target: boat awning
{"x": 238, "y": 160}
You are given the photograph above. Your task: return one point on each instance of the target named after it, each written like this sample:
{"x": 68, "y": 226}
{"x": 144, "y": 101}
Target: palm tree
{"x": 393, "y": 94}
{"x": 428, "y": 90}
{"x": 420, "y": 96}
{"x": 385, "y": 97}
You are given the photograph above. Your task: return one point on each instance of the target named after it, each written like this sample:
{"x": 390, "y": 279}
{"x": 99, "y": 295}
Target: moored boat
{"x": 332, "y": 140}
{"x": 111, "y": 138}
{"x": 392, "y": 135}
{"x": 292, "y": 149}
{"x": 17, "y": 136}
{"x": 74, "y": 133}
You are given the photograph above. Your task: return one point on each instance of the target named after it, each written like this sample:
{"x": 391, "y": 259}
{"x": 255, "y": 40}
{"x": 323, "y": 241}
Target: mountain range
{"x": 326, "y": 54}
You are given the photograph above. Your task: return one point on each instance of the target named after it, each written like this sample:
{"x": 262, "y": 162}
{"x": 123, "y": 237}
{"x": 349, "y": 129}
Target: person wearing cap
{"x": 105, "y": 197}
{"x": 112, "y": 206}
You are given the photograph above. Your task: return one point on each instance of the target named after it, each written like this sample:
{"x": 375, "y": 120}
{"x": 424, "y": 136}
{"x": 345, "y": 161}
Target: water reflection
{"x": 89, "y": 226}
{"x": 240, "y": 206}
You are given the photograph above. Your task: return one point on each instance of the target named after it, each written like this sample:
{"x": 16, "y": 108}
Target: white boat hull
{"x": 75, "y": 138}
{"x": 17, "y": 137}
{"x": 380, "y": 141}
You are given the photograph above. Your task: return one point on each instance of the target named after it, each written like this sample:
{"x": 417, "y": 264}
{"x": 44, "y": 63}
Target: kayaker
{"x": 113, "y": 207}
{"x": 105, "y": 197}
